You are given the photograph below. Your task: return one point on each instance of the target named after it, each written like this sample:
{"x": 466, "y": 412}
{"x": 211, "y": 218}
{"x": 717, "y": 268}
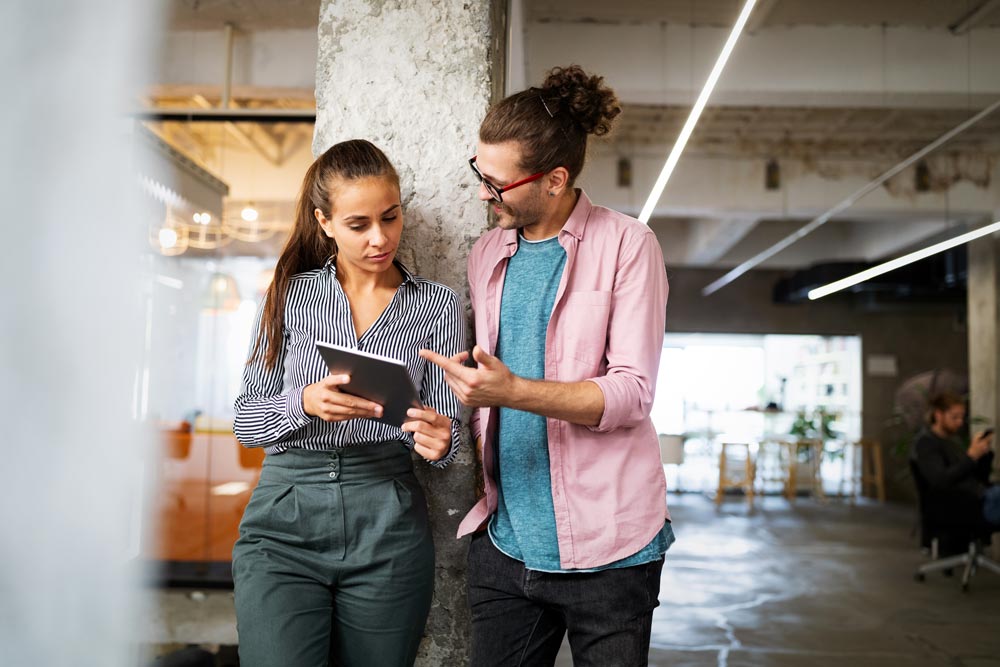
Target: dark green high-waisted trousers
{"x": 335, "y": 563}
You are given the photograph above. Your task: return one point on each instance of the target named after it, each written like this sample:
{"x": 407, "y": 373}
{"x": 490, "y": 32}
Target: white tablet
{"x": 379, "y": 379}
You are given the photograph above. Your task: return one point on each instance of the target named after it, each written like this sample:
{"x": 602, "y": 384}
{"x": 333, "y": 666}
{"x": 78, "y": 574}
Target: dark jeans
{"x": 519, "y": 616}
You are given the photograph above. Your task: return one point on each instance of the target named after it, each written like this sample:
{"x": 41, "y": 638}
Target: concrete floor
{"x": 805, "y": 584}
{"x": 812, "y": 584}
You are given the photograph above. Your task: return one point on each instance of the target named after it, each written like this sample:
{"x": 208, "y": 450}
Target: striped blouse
{"x": 422, "y": 314}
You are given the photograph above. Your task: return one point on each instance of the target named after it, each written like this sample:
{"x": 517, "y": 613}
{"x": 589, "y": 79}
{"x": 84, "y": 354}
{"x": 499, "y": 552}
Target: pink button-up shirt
{"x": 608, "y": 487}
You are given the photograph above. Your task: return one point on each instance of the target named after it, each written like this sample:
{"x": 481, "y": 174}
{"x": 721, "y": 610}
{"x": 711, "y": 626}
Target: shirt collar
{"x": 574, "y": 225}
{"x": 577, "y": 222}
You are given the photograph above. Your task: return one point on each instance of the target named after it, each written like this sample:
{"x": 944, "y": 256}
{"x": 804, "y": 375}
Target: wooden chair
{"x": 176, "y": 443}
{"x": 866, "y": 472}
{"x": 801, "y": 451}
{"x": 250, "y": 457}
{"x": 736, "y": 471}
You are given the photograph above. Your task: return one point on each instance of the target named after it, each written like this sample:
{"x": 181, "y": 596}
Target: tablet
{"x": 382, "y": 380}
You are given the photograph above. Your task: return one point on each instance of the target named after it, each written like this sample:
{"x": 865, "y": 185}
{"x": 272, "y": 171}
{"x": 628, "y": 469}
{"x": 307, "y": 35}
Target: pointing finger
{"x": 450, "y": 366}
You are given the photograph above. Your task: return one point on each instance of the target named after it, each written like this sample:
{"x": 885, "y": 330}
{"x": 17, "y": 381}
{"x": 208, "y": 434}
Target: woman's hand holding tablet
{"x": 325, "y": 400}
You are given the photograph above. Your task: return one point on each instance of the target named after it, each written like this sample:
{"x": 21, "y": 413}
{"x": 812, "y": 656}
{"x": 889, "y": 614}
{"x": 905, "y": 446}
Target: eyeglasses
{"x": 496, "y": 191}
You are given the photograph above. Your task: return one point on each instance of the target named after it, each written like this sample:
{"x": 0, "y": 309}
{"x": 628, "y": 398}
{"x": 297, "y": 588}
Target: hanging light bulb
{"x": 168, "y": 238}
{"x": 247, "y": 223}
{"x": 249, "y": 214}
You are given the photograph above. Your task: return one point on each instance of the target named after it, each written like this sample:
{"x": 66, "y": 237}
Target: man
{"x": 569, "y": 302}
{"x": 958, "y": 477}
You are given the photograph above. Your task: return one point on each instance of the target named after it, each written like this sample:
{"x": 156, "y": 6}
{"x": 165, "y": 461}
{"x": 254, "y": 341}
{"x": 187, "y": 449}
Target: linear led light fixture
{"x": 822, "y": 219}
{"x": 699, "y": 106}
{"x": 894, "y": 264}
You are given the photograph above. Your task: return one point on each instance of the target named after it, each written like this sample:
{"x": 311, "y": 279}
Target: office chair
{"x": 936, "y": 531}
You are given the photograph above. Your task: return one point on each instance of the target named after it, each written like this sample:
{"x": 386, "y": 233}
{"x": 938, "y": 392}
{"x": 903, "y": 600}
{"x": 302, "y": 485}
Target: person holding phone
{"x": 335, "y": 562}
{"x": 958, "y": 476}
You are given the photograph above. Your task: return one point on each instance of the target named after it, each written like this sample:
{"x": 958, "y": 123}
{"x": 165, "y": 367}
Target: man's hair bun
{"x": 585, "y": 98}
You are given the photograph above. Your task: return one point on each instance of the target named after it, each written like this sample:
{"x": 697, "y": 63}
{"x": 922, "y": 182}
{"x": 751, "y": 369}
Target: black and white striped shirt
{"x": 422, "y": 314}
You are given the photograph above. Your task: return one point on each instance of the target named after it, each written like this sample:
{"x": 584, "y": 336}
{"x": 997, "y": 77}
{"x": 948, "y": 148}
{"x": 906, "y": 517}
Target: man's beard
{"x": 950, "y": 431}
{"x": 519, "y": 218}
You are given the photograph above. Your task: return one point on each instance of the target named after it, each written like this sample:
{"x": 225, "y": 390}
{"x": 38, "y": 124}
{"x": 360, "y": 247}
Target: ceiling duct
{"x": 941, "y": 277}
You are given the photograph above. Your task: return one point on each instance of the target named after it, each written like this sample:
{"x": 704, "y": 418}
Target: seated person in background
{"x": 958, "y": 477}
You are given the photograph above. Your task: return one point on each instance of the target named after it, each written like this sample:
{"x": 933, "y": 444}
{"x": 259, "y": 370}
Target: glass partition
{"x": 217, "y": 211}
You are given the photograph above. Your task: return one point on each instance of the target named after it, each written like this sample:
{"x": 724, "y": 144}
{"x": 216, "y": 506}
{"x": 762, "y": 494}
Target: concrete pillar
{"x": 984, "y": 320}
{"x": 416, "y": 78}
{"x": 984, "y": 329}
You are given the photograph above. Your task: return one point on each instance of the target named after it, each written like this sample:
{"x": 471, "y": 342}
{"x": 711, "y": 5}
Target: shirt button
{"x": 333, "y": 475}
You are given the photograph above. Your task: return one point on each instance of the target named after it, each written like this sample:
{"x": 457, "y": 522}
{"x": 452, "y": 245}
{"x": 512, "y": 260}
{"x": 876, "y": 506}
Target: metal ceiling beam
{"x": 973, "y": 17}
{"x": 843, "y": 205}
{"x": 272, "y": 153}
{"x": 229, "y": 115}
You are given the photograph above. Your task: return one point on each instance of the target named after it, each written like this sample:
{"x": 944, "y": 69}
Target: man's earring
{"x": 552, "y": 194}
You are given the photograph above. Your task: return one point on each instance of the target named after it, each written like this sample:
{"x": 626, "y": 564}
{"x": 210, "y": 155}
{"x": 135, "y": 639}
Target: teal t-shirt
{"x": 524, "y": 526}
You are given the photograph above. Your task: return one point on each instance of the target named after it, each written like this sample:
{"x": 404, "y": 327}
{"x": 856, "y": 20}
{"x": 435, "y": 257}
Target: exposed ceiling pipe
{"x": 971, "y": 19}
{"x": 227, "y": 84}
{"x": 225, "y": 113}
{"x": 822, "y": 219}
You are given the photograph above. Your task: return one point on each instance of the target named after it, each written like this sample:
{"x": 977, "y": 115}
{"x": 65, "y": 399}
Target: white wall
{"x": 270, "y": 58}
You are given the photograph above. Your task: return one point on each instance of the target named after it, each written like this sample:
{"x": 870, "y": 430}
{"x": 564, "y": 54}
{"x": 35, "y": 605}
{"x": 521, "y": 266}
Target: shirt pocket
{"x": 584, "y": 327}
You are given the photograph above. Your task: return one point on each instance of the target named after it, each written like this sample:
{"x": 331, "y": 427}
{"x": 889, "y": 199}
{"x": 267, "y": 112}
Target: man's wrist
{"x": 517, "y": 393}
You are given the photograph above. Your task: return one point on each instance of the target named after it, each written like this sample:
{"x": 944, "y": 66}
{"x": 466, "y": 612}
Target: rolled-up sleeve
{"x": 265, "y": 413}
{"x": 635, "y": 333}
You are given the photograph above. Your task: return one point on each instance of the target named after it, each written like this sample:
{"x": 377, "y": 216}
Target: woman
{"x": 334, "y": 564}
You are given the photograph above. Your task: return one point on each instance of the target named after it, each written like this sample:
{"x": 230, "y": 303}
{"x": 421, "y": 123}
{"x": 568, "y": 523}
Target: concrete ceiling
{"x": 847, "y": 103}
{"x": 918, "y": 13}
{"x": 245, "y": 14}
{"x": 276, "y": 14}
{"x": 806, "y": 132}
